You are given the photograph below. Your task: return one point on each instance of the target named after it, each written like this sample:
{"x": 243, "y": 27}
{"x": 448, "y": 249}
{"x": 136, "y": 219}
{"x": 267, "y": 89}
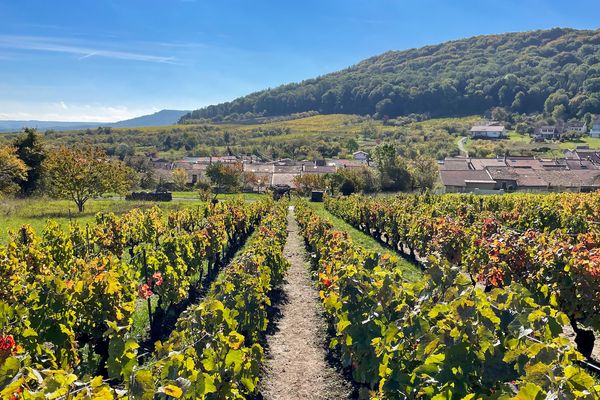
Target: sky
{"x": 109, "y": 60}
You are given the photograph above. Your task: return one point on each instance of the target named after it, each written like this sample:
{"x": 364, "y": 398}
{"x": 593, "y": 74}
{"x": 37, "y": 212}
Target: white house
{"x": 361, "y": 155}
{"x": 548, "y": 132}
{"x": 595, "y": 132}
{"x": 576, "y": 127}
{"x": 488, "y": 132}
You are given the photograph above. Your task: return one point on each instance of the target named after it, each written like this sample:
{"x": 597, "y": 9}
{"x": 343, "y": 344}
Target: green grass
{"x": 594, "y": 143}
{"x": 409, "y": 270}
{"x": 36, "y": 212}
{"x": 14, "y": 213}
{"x": 518, "y": 138}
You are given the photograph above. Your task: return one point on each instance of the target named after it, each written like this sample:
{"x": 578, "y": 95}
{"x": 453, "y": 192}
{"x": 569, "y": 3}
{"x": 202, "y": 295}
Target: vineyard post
{"x": 146, "y": 279}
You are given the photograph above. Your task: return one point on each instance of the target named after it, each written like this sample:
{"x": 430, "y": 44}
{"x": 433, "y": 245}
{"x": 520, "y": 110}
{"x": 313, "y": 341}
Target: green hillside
{"x": 555, "y": 70}
{"x": 334, "y": 135}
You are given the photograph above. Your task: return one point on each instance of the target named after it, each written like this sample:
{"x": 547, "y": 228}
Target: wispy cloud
{"x": 73, "y": 112}
{"x": 84, "y": 50}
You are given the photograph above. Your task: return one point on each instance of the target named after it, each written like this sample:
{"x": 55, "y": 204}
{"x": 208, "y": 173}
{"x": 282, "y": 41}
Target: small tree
{"x": 80, "y": 174}
{"x": 13, "y": 171}
{"x": 393, "y": 171}
{"x": 30, "y": 148}
{"x": 180, "y": 178}
{"x": 309, "y": 182}
{"x": 370, "y": 179}
{"x": 424, "y": 172}
{"x": 204, "y": 188}
{"x": 225, "y": 178}
{"x": 250, "y": 180}
{"x": 142, "y": 165}
{"x": 347, "y": 181}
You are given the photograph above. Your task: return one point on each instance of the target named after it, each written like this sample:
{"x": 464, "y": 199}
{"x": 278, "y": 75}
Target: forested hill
{"x": 557, "y": 70}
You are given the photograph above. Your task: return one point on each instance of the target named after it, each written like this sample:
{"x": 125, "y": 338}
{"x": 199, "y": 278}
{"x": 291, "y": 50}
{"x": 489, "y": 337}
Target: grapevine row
{"x": 214, "y": 350}
{"x": 560, "y": 269}
{"x": 89, "y": 299}
{"x": 440, "y": 337}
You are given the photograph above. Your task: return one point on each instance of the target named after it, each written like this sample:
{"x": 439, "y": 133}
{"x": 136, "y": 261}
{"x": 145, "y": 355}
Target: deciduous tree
{"x": 309, "y": 182}
{"x": 424, "y": 173}
{"x": 13, "y": 171}
{"x": 180, "y": 178}
{"x": 393, "y": 172}
{"x": 225, "y": 178}
{"x": 80, "y": 174}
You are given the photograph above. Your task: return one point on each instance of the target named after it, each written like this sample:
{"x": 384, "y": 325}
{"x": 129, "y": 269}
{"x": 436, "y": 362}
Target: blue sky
{"x": 107, "y": 60}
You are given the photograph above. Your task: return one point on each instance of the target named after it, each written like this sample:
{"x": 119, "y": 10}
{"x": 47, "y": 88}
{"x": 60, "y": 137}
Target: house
{"x": 455, "y": 164}
{"x": 595, "y": 132}
{"x": 523, "y": 162}
{"x": 587, "y": 154}
{"x": 576, "y": 127}
{"x": 579, "y": 172}
{"x": 547, "y": 132}
{"x": 361, "y": 156}
{"x": 349, "y": 164}
{"x": 319, "y": 169}
{"x": 483, "y": 163}
{"x": 262, "y": 172}
{"x": 517, "y": 179}
{"x": 465, "y": 181}
{"x": 488, "y": 132}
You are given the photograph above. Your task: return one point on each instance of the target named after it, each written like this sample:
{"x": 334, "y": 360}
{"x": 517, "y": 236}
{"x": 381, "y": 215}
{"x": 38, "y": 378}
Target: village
{"x": 577, "y": 171}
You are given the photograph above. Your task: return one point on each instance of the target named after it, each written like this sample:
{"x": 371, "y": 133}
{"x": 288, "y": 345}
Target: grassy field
{"x": 518, "y": 144}
{"x": 15, "y": 213}
{"x": 594, "y": 143}
{"x": 410, "y": 271}
{"x": 35, "y": 212}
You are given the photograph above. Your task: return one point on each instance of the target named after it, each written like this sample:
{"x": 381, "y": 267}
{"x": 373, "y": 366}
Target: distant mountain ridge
{"x": 163, "y": 117}
{"x": 555, "y": 70}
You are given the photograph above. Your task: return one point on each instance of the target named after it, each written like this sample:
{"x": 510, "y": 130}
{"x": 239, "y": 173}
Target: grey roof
{"x": 287, "y": 169}
{"x": 581, "y": 165}
{"x": 523, "y": 177}
{"x": 284, "y": 179}
{"x": 256, "y": 167}
{"x": 458, "y": 178}
{"x": 455, "y": 165}
{"x": 482, "y": 163}
{"x": 324, "y": 169}
{"x": 592, "y": 155}
{"x": 487, "y": 128}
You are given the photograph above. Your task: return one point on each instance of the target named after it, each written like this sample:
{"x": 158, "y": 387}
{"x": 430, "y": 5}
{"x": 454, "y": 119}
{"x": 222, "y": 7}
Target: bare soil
{"x": 297, "y": 366}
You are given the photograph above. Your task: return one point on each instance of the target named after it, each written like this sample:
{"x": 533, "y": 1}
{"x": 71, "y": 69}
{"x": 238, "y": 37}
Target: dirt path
{"x": 461, "y": 146}
{"x": 296, "y": 366}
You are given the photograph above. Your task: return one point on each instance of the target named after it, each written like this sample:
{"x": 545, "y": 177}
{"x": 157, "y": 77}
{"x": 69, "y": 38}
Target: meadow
{"x": 14, "y": 213}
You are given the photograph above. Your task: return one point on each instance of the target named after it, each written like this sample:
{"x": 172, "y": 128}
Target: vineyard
{"x": 183, "y": 304}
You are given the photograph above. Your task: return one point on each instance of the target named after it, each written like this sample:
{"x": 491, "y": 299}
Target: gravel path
{"x": 296, "y": 366}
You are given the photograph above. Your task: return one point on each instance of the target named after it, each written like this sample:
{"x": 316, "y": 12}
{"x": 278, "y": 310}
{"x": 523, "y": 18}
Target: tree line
{"x": 555, "y": 71}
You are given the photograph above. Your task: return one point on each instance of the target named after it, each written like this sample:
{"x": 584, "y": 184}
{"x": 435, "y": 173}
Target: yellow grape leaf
{"x": 171, "y": 390}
